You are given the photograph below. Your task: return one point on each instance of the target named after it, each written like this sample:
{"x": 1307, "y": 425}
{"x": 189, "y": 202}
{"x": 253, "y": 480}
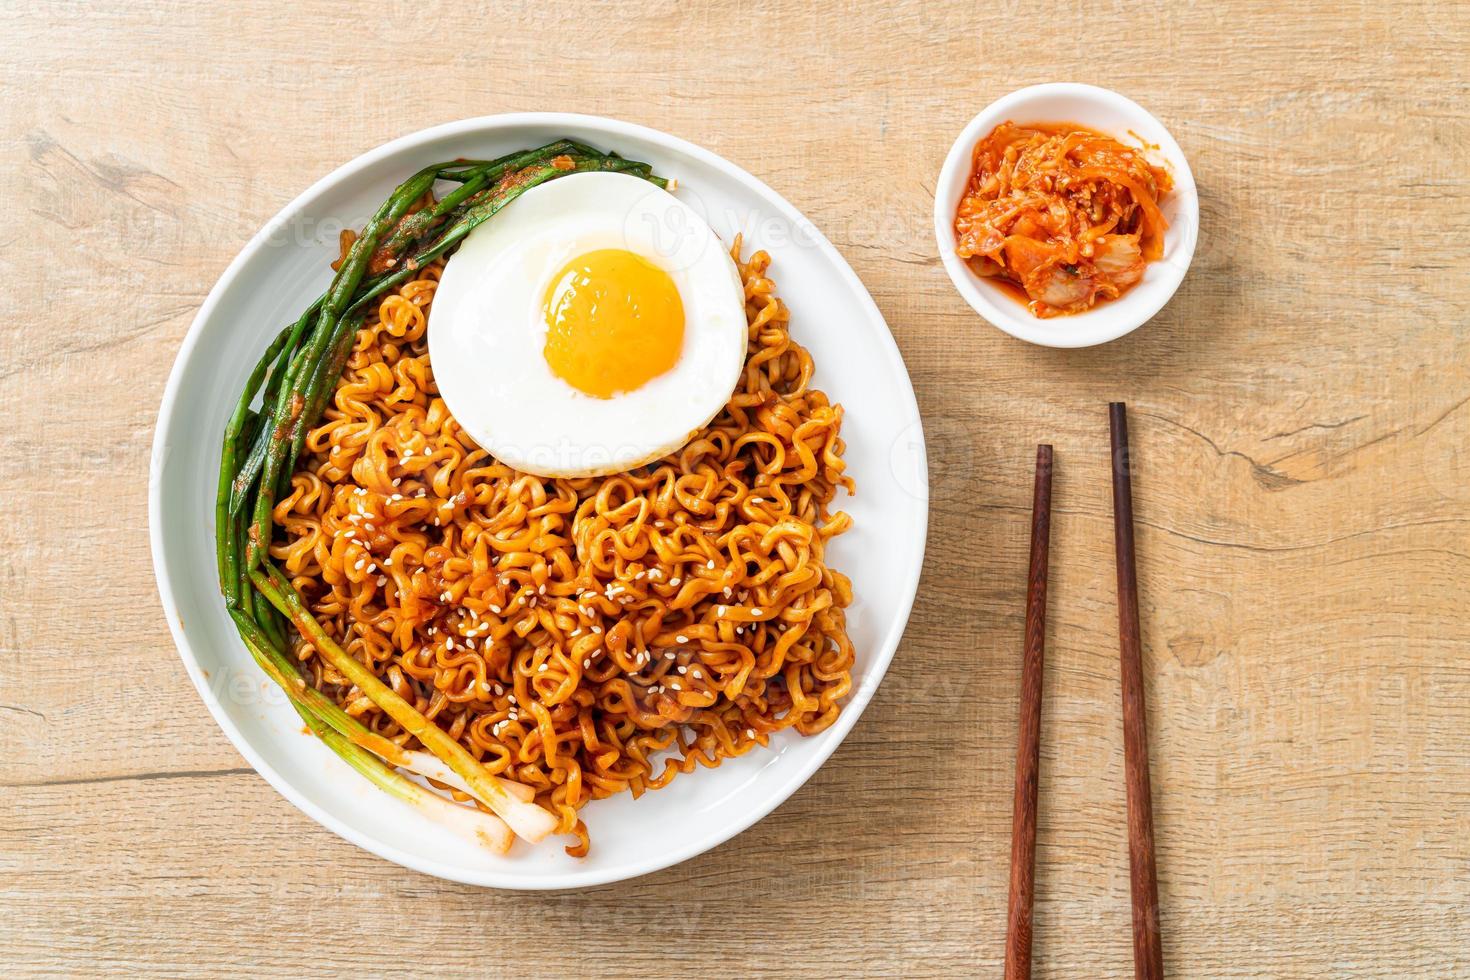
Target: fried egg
{"x": 592, "y": 326}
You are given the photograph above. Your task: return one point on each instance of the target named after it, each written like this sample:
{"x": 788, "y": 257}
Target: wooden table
{"x": 1299, "y": 413}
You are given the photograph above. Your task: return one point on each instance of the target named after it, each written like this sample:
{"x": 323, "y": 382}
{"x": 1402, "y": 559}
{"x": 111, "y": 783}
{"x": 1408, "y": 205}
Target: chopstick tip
{"x": 1043, "y": 455}
{"x": 1118, "y": 421}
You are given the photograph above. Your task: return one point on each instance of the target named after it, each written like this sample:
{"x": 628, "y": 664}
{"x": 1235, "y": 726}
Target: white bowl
{"x": 286, "y": 264}
{"x": 1119, "y": 117}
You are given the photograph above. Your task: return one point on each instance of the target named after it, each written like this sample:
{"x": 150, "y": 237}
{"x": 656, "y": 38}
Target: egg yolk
{"x": 614, "y": 321}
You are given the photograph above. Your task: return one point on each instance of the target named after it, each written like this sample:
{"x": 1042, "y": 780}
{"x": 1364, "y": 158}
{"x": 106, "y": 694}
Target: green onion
{"x": 283, "y": 398}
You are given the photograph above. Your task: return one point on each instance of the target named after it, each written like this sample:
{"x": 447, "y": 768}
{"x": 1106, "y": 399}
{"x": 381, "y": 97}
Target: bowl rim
{"x": 507, "y": 878}
{"x": 1112, "y": 320}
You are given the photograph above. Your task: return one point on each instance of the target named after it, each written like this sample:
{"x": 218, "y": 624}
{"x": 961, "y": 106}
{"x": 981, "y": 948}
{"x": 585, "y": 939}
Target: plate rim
{"x": 862, "y": 693}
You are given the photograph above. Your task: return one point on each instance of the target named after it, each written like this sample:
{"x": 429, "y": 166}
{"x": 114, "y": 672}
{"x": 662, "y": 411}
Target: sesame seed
{"x": 683, "y": 669}
{"x": 541, "y": 669}
{"x": 710, "y": 563}
{"x": 755, "y": 612}
{"x": 682, "y": 639}
{"x": 750, "y": 733}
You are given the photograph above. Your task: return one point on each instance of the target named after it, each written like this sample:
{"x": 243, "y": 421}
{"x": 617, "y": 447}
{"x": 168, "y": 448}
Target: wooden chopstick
{"x": 1023, "y": 821}
{"x": 1148, "y": 956}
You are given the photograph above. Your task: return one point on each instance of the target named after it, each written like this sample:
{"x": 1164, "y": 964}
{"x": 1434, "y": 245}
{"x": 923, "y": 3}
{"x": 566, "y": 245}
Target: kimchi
{"x": 1067, "y": 214}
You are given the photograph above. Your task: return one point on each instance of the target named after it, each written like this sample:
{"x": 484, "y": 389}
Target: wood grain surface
{"x": 1300, "y": 418}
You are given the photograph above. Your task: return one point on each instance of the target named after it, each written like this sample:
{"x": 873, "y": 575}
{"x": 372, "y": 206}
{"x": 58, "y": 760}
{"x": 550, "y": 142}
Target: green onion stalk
{"x": 284, "y": 396}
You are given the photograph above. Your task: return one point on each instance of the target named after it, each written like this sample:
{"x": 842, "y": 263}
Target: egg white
{"x": 487, "y": 328}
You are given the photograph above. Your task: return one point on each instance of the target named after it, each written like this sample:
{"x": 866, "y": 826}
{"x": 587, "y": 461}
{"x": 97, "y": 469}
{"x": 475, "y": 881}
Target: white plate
{"x": 286, "y": 265}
